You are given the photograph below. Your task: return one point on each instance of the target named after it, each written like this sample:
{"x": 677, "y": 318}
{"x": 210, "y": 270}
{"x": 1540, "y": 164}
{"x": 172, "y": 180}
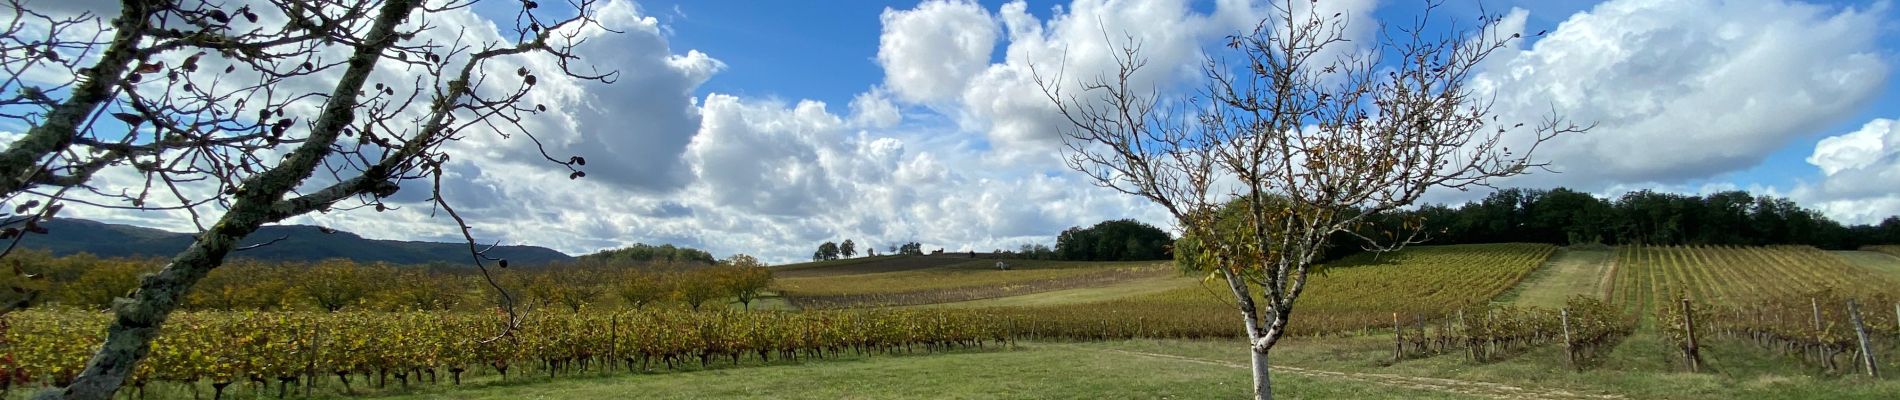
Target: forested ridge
{"x": 1563, "y": 216}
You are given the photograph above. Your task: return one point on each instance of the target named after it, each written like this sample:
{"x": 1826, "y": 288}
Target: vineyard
{"x": 1354, "y": 294}
{"x": 290, "y": 348}
{"x": 1793, "y": 300}
{"x": 219, "y": 349}
{"x": 1648, "y": 276}
{"x": 1426, "y": 302}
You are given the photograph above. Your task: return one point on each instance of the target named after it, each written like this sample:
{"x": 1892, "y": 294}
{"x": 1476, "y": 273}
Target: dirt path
{"x": 1470, "y": 388}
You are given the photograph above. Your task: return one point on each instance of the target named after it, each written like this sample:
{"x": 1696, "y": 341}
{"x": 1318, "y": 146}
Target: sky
{"x": 769, "y": 127}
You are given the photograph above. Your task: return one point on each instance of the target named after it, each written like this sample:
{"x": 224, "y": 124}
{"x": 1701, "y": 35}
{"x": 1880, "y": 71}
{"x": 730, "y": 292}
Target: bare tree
{"x": 1306, "y": 137}
{"x": 248, "y": 113}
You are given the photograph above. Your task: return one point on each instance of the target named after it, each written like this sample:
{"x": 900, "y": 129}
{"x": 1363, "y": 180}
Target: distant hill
{"x": 301, "y": 243}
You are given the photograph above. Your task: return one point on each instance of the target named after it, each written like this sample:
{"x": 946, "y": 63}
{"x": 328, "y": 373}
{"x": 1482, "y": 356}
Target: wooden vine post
{"x": 1424, "y": 339}
{"x": 1690, "y": 352}
{"x": 1399, "y": 340}
{"x": 1866, "y": 348}
{"x": 1570, "y": 350}
{"x": 1817, "y": 352}
{"x": 1471, "y": 340}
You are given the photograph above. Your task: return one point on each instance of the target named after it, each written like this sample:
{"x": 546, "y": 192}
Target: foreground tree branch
{"x": 192, "y": 96}
{"x": 1297, "y": 143}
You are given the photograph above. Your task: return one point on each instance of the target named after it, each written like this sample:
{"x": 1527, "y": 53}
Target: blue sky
{"x": 768, "y": 127}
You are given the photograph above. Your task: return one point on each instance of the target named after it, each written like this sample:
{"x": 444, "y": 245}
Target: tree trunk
{"x": 138, "y": 319}
{"x": 1262, "y": 383}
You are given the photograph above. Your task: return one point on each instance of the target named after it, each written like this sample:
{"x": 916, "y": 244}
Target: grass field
{"x": 1569, "y": 272}
{"x": 1332, "y": 368}
{"x": 1033, "y": 371}
{"x": 1881, "y": 263}
{"x": 864, "y": 265}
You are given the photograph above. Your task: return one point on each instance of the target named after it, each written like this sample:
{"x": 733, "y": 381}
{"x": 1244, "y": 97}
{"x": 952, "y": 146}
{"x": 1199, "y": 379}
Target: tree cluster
{"x": 642, "y": 252}
{"x": 1116, "y": 240}
{"x": 833, "y": 250}
{"x": 1036, "y": 251}
{"x": 1563, "y": 216}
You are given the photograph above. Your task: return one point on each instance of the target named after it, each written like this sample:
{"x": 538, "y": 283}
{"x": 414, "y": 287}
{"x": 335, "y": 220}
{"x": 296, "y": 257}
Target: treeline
{"x": 642, "y": 252}
{"x": 1114, "y": 240}
{"x": 87, "y": 282}
{"x": 1563, "y": 216}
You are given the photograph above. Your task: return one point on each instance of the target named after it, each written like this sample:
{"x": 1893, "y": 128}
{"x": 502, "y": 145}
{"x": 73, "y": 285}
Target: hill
{"x": 300, "y": 243}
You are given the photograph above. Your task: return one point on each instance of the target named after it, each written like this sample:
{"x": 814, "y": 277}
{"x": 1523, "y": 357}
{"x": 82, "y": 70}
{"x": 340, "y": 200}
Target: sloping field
{"x": 1882, "y": 262}
{"x": 1648, "y": 275}
{"x": 1357, "y": 292}
{"x": 867, "y": 265}
{"x": 1570, "y": 272}
{"x": 1095, "y": 294}
{"x": 970, "y": 280}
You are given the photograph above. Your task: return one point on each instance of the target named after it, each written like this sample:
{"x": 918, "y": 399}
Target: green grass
{"x": 1307, "y": 368}
{"x": 1568, "y": 273}
{"x": 1031, "y": 371}
{"x": 1643, "y": 367}
{"x": 1883, "y": 263}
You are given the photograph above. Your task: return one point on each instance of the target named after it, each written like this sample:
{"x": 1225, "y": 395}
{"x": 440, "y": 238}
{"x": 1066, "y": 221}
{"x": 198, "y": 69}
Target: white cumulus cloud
{"x": 1687, "y": 89}
{"x": 930, "y": 51}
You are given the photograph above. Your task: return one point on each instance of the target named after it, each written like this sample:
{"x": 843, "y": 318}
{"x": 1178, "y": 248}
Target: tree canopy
{"x": 1115, "y": 240}
{"x": 1563, "y": 216}
{"x": 642, "y": 252}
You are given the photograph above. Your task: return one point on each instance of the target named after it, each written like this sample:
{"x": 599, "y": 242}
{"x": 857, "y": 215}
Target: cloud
{"x": 1008, "y": 104}
{"x": 766, "y": 158}
{"x": 633, "y": 131}
{"x": 1685, "y": 90}
{"x": 778, "y": 178}
{"x": 930, "y": 51}
{"x": 945, "y": 68}
{"x": 873, "y": 109}
{"x": 1858, "y": 170}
